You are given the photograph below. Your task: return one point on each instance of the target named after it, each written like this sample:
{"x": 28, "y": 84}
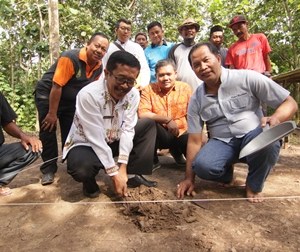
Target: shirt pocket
{"x": 239, "y": 103}
{"x": 211, "y": 113}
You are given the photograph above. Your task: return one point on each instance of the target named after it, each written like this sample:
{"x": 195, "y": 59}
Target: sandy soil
{"x": 58, "y": 217}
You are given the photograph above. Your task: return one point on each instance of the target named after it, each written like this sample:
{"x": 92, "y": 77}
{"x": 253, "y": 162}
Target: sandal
{"x": 4, "y": 191}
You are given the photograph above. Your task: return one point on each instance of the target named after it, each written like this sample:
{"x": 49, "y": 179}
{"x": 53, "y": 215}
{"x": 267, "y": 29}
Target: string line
{"x": 296, "y": 197}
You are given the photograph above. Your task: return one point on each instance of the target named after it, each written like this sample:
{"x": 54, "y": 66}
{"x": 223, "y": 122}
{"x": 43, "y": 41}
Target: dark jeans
{"x": 83, "y": 164}
{"x": 13, "y": 159}
{"x": 65, "y": 116}
{"x": 215, "y": 159}
{"x": 165, "y": 140}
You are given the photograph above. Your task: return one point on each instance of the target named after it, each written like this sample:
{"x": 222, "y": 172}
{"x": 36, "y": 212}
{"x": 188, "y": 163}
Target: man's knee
{"x": 80, "y": 171}
{"x": 208, "y": 170}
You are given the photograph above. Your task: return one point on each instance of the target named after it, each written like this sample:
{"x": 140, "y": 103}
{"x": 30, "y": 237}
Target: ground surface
{"x": 59, "y": 218}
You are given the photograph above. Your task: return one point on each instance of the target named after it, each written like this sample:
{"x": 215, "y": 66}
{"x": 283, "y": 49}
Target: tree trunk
{"x": 53, "y": 30}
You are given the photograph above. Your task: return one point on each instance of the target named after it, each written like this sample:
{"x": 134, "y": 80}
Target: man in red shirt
{"x": 251, "y": 51}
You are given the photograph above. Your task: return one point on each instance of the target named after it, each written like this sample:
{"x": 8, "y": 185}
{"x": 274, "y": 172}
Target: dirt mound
{"x": 151, "y": 216}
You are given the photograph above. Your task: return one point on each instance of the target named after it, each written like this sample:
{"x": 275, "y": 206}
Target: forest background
{"x": 30, "y": 39}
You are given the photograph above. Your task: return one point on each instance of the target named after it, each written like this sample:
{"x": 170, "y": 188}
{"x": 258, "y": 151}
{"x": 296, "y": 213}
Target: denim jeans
{"x": 215, "y": 160}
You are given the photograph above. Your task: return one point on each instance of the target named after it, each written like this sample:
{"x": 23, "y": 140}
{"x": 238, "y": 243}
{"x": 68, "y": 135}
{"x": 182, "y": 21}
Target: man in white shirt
{"x": 123, "y": 42}
{"x": 105, "y": 125}
{"x": 179, "y": 53}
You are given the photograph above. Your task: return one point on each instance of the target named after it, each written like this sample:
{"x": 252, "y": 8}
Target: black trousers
{"x": 83, "y": 164}
{"x": 166, "y": 140}
{"x": 65, "y": 116}
{"x": 13, "y": 159}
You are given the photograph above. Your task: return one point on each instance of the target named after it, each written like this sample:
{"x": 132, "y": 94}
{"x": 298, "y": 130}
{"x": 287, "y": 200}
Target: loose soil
{"x": 58, "y": 217}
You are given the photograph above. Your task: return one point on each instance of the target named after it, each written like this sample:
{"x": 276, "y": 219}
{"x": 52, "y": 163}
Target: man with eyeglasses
{"x": 55, "y": 96}
{"x": 123, "y": 43}
{"x": 105, "y": 126}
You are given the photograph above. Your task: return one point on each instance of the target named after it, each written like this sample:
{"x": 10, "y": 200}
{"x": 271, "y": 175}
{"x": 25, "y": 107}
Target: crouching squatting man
{"x": 229, "y": 103}
{"x": 14, "y": 157}
{"x": 105, "y": 125}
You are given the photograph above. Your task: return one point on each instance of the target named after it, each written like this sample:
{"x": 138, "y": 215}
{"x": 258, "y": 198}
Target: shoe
{"x": 138, "y": 180}
{"x": 47, "y": 178}
{"x": 180, "y": 160}
{"x": 91, "y": 195}
{"x": 156, "y": 166}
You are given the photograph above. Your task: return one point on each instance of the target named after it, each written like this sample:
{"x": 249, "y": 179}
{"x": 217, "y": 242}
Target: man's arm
{"x": 26, "y": 140}
{"x": 50, "y": 120}
{"x": 284, "y": 112}
{"x": 63, "y": 73}
{"x": 268, "y": 65}
{"x": 193, "y": 146}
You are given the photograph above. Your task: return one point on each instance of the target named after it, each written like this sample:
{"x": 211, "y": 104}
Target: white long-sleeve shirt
{"x": 99, "y": 120}
{"x": 135, "y": 49}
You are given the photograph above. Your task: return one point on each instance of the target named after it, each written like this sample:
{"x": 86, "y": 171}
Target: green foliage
{"x": 21, "y": 100}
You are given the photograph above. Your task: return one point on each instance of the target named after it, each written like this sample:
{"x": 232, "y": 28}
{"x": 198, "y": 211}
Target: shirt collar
{"x": 164, "y": 43}
{"x": 83, "y": 56}
{"x": 121, "y": 43}
{"x": 160, "y": 90}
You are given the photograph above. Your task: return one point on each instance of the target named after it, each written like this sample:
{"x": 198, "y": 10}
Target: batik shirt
{"x": 174, "y": 104}
{"x": 99, "y": 121}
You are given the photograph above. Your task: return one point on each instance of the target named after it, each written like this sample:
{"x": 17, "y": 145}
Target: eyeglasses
{"x": 125, "y": 28}
{"x": 123, "y": 80}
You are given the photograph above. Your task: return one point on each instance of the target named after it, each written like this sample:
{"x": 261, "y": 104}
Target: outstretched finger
{"x": 125, "y": 194}
{"x": 180, "y": 191}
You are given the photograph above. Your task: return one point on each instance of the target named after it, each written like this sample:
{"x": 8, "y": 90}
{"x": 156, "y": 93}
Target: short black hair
{"x": 164, "y": 62}
{"x": 141, "y": 33}
{"x": 101, "y": 34}
{"x": 216, "y": 28}
{"x": 212, "y": 48}
{"x": 152, "y": 24}
{"x": 122, "y": 58}
{"x": 124, "y": 20}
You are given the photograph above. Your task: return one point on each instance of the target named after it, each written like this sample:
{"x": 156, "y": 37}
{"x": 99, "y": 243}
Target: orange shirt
{"x": 174, "y": 104}
{"x": 65, "y": 69}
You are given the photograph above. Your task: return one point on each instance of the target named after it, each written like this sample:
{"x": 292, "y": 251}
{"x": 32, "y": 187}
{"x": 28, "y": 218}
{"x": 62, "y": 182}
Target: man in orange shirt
{"x": 166, "y": 102}
{"x": 55, "y": 96}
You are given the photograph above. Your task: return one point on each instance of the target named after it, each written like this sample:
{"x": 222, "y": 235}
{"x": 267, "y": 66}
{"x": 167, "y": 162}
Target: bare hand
{"x": 173, "y": 128}
{"x": 271, "y": 120}
{"x": 185, "y": 187}
{"x": 49, "y": 123}
{"x": 34, "y": 142}
{"x": 120, "y": 181}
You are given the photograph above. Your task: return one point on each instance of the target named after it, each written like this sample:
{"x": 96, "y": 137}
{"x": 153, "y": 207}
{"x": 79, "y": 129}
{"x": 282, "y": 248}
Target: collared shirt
{"x": 135, "y": 49}
{"x": 174, "y": 104}
{"x": 65, "y": 68}
{"x": 99, "y": 120}
{"x": 154, "y": 53}
{"x": 236, "y": 109}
